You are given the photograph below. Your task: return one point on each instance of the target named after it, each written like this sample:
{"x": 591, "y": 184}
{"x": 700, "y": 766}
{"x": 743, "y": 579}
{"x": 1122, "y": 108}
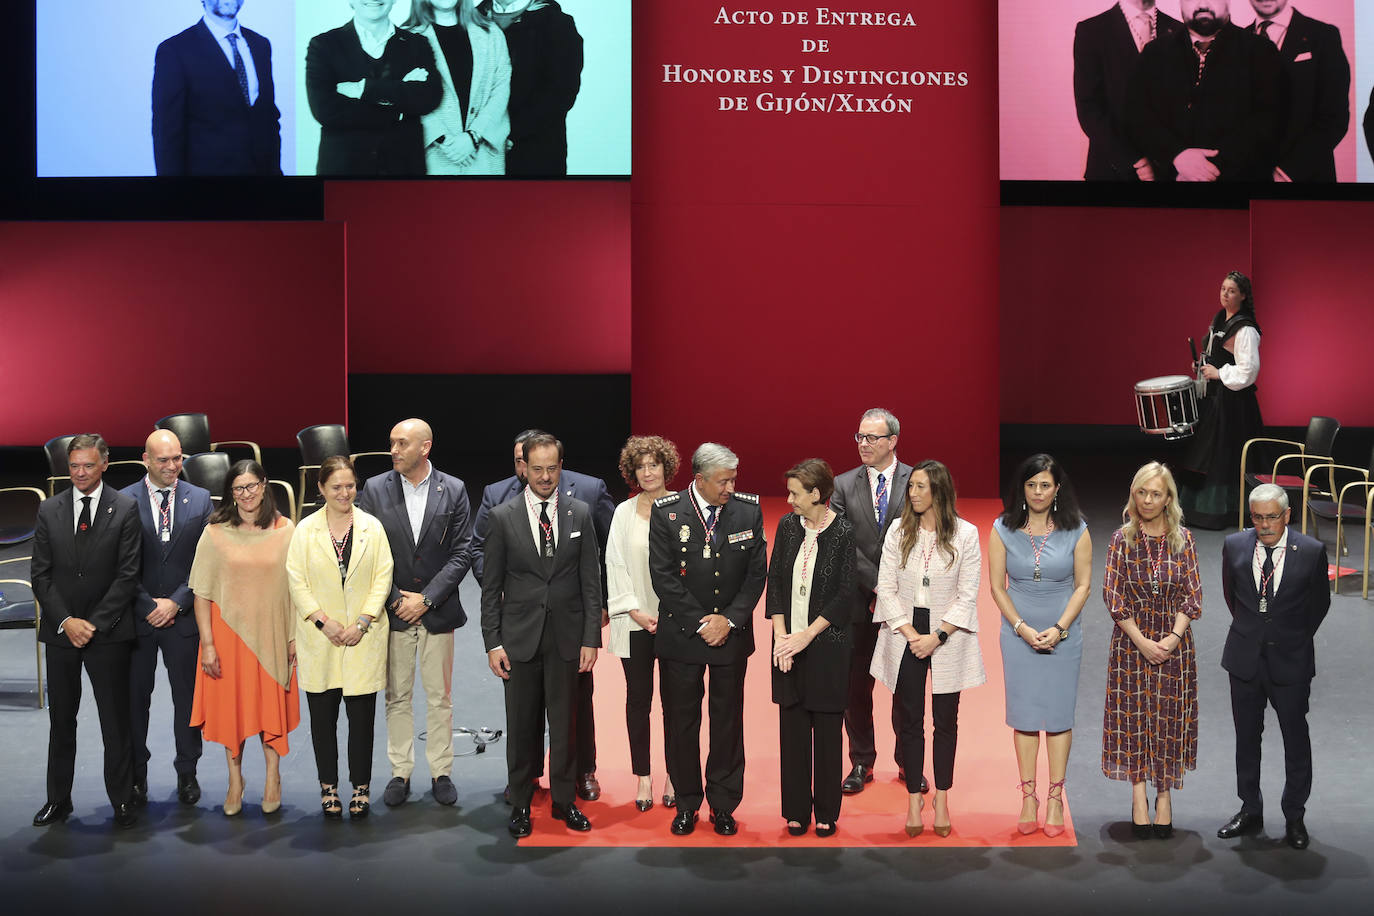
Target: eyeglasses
{"x": 1255, "y": 517}
{"x": 869, "y": 438}
{"x": 247, "y": 489}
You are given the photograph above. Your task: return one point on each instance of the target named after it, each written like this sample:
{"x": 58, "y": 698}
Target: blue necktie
{"x": 239, "y": 70}
{"x": 882, "y": 499}
{"x": 711, "y": 523}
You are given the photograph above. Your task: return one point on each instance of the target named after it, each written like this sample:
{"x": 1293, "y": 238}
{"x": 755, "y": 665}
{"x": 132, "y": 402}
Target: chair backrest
{"x": 56, "y": 450}
{"x": 208, "y": 470}
{"x": 193, "y": 429}
{"x": 18, "y": 513}
{"x": 1321, "y": 435}
{"x": 319, "y": 442}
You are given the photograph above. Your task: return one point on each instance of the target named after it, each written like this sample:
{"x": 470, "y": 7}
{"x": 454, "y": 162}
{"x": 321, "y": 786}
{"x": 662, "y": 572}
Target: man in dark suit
{"x": 428, "y": 524}
{"x": 214, "y": 106}
{"x": 368, "y": 83}
{"x": 541, "y": 624}
{"x": 172, "y": 513}
{"x": 1275, "y": 584}
{"x": 708, "y": 563}
{"x": 85, "y": 578}
{"x": 1318, "y": 89}
{"x": 1208, "y": 102}
{"x": 871, "y": 496}
{"x": 592, "y": 491}
{"x": 1106, "y": 49}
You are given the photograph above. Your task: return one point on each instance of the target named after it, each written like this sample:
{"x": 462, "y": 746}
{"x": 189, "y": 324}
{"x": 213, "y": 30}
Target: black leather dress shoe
{"x": 854, "y": 783}
{"x": 1295, "y": 834}
{"x": 52, "y": 812}
{"x": 588, "y": 788}
{"x": 520, "y": 825}
{"x": 724, "y": 823}
{"x": 1240, "y": 825}
{"x": 140, "y": 795}
{"x": 684, "y": 823}
{"x": 572, "y": 818}
{"x": 188, "y": 789}
{"x": 125, "y": 815}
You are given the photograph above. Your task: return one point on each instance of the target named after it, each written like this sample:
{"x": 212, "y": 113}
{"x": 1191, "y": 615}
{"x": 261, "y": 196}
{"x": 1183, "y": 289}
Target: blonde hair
{"x": 1173, "y": 513}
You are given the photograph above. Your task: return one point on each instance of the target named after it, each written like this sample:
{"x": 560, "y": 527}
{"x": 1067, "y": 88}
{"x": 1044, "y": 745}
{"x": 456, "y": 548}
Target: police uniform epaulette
{"x": 668, "y": 500}
{"x": 748, "y": 497}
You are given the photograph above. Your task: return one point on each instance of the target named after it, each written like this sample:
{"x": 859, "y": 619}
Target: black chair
{"x": 208, "y": 470}
{"x": 56, "y": 451}
{"x": 1339, "y": 509}
{"x": 318, "y": 443}
{"x": 1314, "y": 449}
{"x": 193, "y": 429}
{"x": 22, "y": 613}
{"x": 18, "y": 513}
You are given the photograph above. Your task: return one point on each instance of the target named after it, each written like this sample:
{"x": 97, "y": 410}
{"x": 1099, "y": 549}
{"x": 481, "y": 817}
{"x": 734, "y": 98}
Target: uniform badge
{"x": 684, "y": 533}
{"x": 672, "y": 516}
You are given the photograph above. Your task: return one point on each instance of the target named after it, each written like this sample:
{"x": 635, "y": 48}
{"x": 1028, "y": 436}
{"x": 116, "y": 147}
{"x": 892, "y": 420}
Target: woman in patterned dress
{"x": 1151, "y": 589}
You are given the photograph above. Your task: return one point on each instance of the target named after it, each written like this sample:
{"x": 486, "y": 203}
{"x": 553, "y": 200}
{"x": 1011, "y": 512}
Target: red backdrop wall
{"x": 1097, "y": 299}
{"x": 109, "y": 326}
{"x": 471, "y": 277}
{"x": 791, "y": 270}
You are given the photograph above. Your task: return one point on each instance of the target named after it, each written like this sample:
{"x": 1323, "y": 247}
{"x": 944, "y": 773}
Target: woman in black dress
{"x": 811, "y": 596}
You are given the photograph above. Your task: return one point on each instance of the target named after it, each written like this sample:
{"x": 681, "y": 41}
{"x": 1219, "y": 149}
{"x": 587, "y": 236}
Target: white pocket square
{"x": 575, "y": 534}
{"x": 1305, "y": 55}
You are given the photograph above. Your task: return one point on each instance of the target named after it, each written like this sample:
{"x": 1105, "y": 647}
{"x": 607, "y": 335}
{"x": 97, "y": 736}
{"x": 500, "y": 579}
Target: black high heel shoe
{"x": 329, "y": 801}
{"x": 360, "y": 805}
{"x": 1163, "y": 831}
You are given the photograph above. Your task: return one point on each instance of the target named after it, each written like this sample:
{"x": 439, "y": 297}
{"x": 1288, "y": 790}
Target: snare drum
{"x": 1166, "y": 406}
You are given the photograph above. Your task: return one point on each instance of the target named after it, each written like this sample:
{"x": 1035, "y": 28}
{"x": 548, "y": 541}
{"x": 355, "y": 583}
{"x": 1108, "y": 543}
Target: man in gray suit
{"x": 541, "y": 625}
{"x": 428, "y": 523}
{"x": 871, "y": 496}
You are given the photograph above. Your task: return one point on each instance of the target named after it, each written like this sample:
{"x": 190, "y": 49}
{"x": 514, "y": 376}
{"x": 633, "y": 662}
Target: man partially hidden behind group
{"x": 214, "y": 107}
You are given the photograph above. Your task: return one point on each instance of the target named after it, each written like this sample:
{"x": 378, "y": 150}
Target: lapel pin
{"x": 110, "y": 510}
{"x": 439, "y": 489}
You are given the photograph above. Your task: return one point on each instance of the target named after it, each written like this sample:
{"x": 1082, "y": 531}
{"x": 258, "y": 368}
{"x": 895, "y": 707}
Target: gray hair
{"x": 89, "y": 440}
{"x": 882, "y": 413}
{"x": 1269, "y": 493}
{"x": 709, "y": 456}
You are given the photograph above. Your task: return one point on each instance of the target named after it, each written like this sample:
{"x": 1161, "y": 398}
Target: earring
{"x": 1055, "y": 508}
{"x": 1023, "y": 505}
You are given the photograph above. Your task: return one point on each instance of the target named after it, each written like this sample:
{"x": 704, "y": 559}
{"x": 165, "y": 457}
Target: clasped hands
{"x": 1045, "y": 640}
{"x": 715, "y": 629}
{"x": 340, "y": 635}
{"x": 786, "y": 648}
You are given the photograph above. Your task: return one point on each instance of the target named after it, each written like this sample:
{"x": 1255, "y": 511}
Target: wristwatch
{"x": 362, "y": 624}
{"x": 1063, "y": 633}
{"x": 940, "y": 632}
{"x": 319, "y": 624}
{"x": 424, "y": 599}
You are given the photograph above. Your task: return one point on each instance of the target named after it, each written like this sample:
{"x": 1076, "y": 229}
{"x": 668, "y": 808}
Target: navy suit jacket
{"x": 98, "y": 584}
{"x": 591, "y": 490}
{"x": 201, "y": 124}
{"x": 854, "y": 500}
{"x": 438, "y": 562}
{"x": 167, "y": 567}
{"x": 1284, "y": 635}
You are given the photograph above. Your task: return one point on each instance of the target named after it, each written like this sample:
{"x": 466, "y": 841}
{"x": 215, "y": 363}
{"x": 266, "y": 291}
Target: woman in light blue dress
{"x": 1040, "y": 568}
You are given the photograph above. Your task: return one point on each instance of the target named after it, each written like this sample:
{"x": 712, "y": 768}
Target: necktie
{"x": 164, "y": 521}
{"x": 1267, "y": 578}
{"x": 1202, "y": 48}
{"x": 83, "y": 524}
{"x": 1264, "y": 29}
{"x": 711, "y": 523}
{"x": 240, "y": 70}
{"x": 881, "y": 496}
{"x": 546, "y": 528}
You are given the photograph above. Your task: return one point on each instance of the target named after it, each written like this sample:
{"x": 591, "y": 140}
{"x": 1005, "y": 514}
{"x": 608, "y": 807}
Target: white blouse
{"x": 627, "y": 575}
{"x": 952, "y": 598}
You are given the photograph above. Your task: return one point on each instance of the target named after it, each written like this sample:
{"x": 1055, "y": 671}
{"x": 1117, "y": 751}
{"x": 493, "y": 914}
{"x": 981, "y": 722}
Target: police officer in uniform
{"x": 708, "y": 563}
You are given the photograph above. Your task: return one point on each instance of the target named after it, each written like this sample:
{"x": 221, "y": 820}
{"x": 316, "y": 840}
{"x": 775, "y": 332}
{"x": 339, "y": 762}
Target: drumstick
{"x": 1192, "y": 346}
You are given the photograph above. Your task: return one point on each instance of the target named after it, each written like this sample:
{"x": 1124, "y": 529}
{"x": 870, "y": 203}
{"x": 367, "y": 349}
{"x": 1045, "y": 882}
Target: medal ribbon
{"x": 1038, "y": 549}
{"x": 166, "y": 507}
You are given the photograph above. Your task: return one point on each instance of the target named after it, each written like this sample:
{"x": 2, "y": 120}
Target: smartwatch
{"x": 943, "y": 636}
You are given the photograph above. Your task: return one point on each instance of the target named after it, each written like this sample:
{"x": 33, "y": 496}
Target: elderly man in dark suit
{"x": 1275, "y": 584}
{"x": 541, "y": 624}
{"x": 592, "y": 491}
{"x": 1318, "y": 89}
{"x": 1106, "y": 49}
{"x": 1208, "y": 103}
{"x": 708, "y": 563}
{"x": 871, "y": 496}
{"x": 172, "y": 514}
{"x": 428, "y": 523}
{"x": 214, "y": 105}
{"x": 85, "y": 578}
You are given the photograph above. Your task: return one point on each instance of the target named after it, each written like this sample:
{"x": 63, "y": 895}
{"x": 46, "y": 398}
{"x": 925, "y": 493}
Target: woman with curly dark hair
{"x": 647, "y": 463}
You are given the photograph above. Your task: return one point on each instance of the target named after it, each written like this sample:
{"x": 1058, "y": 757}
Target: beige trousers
{"x": 435, "y": 653}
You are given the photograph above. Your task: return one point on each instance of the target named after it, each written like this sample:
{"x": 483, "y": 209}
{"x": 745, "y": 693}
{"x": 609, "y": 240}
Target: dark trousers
{"x": 107, "y": 665}
{"x": 584, "y": 727}
{"x": 811, "y": 757}
{"x": 546, "y": 685}
{"x": 1290, "y": 702}
{"x": 639, "y": 698}
{"x": 179, "y": 657}
{"x": 944, "y": 709}
{"x": 858, "y": 715}
{"x": 681, "y": 687}
{"x": 324, "y": 727}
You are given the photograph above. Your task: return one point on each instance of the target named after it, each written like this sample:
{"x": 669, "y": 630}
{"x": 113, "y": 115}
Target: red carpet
{"x": 984, "y": 802}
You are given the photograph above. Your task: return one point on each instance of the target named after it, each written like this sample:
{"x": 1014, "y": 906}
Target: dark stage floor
{"x": 422, "y": 855}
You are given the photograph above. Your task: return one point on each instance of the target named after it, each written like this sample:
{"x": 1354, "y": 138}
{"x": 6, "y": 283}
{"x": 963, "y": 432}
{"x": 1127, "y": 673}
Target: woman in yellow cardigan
{"x": 339, "y": 566}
